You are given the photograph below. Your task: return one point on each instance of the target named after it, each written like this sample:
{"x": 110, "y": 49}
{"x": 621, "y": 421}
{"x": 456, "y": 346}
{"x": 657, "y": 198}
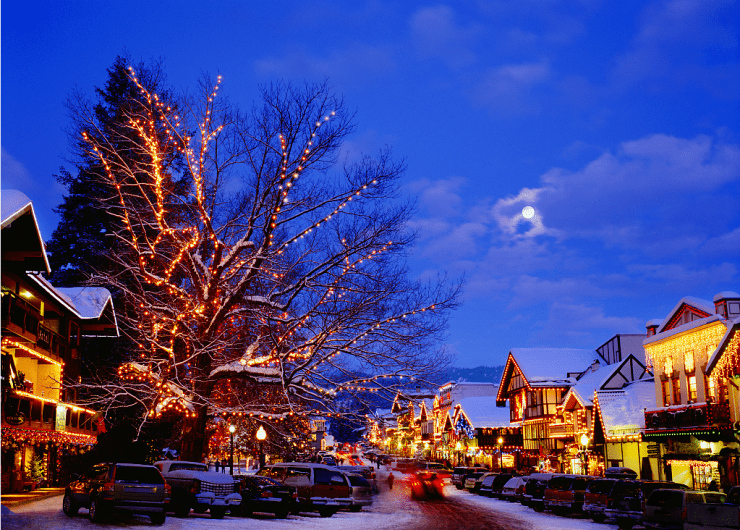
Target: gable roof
{"x": 699, "y": 306}
{"x": 611, "y": 377}
{"x": 482, "y": 412}
{"x": 622, "y": 411}
{"x": 546, "y": 367}
{"x": 23, "y": 236}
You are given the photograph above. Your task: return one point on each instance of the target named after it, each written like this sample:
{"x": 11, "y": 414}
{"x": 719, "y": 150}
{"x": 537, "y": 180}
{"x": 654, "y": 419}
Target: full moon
{"x": 528, "y": 212}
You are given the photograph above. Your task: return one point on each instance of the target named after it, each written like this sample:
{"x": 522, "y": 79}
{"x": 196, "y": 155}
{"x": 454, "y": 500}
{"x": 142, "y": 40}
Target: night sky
{"x": 617, "y": 123}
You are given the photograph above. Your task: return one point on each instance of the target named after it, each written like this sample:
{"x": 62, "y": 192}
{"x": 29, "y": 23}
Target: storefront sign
{"x": 61, "y": 418}
{"x": 17, "y": 419}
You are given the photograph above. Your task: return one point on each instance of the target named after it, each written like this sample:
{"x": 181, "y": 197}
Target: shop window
{"x": 692, "y": 387}
{"x": 49, "y": 413}
{"x": 676, "y": 390}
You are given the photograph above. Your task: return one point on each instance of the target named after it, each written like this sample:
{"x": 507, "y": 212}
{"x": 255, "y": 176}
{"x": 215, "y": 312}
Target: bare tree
{"x": 267, "y": 260}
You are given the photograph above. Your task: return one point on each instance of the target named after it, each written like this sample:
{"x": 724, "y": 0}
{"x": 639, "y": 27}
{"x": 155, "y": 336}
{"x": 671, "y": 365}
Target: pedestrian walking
{"x": 218, "y": 463}
{"x": 390, "y": 481}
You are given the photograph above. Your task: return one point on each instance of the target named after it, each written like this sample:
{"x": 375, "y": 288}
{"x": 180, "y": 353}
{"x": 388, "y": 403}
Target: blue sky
{"x": 617, "y": 122}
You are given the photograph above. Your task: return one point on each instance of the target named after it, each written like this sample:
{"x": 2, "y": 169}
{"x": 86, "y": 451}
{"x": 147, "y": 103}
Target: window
{"x": 688, "y": 361}
{"x": 692, "y": 388}
{"x": 666, "y": 393}
{"x": 676, "y": 390}
{"x": 710, "y": 389}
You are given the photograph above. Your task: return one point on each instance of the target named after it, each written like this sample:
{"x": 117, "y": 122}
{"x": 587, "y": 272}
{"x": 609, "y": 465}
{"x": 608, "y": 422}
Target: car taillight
{"x": 109, "y": 486}
{"x": 266, "y": 494}
{"x": 295, "y": 495}
{"x": 683, "y": 514}
{"x": 167, "y": 489}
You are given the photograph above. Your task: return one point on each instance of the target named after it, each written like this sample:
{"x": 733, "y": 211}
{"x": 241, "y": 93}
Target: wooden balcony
{"x": 561, "y": 430}
{"x": 688, "y": 417}
{"x": 19, "y": 317}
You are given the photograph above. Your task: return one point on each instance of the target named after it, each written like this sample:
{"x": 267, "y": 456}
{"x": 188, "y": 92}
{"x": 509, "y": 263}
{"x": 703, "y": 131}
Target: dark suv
{"x": 626, "y": 502}
{"x": 111, "y": 487}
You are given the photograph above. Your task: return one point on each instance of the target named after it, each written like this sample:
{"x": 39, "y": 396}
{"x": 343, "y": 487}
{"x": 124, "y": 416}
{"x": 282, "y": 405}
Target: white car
{"x": 513, "y": 489}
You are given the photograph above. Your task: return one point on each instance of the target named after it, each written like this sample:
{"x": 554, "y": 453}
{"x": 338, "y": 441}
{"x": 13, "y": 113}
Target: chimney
{"x": 652, "y": 327}
{"x": 595, "y": 365}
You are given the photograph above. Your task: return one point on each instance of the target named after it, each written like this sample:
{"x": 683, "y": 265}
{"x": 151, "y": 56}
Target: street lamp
{"x": 261, "y": 435}
{"x": 584, "y": 442}
{"x": 232, "y": 428}
{"x": 500, "y": 453}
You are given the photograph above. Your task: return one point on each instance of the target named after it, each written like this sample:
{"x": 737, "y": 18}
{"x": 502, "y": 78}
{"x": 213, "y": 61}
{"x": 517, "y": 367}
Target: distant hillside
{"x": 487, "y": 374}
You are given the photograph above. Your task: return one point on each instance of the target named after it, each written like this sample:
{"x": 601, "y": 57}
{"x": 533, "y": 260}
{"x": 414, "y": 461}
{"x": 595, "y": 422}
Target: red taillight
{"x": 167, "y": 490}
{"x": 109, "y": 486}
{"x": 266, "y": 494}
{"x": 683, "y": 514}
{"x": 295, "y": 494}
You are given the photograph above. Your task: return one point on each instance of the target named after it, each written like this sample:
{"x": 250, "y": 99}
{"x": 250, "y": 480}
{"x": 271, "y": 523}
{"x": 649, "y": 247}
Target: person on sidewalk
{"x": 390, "y": 481}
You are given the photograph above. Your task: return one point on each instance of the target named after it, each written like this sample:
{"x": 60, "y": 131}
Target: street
{"x": 391, "y": 510}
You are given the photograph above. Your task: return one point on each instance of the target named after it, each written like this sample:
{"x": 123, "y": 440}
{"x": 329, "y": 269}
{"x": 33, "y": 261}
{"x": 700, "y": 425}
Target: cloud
{"x": 436, "y": 33}
{"x": 571, "y": 323}
{"x": 15, "y": 175}
{"x": 512, "y": 88}
{"x": 673, "y": 42}
{"x": 649, "y": 194}
{"x": 341, "y": 65}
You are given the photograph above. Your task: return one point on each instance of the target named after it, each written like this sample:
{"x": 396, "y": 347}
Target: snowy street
{"x": 391, "y": 510}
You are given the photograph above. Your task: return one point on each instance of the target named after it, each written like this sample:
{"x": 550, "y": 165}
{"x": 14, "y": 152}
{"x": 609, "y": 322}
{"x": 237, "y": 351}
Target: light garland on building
{"x": 673, "y": 347}
{"x": 728, "y": 364}
{"x": 43, "y": 436}
{"x": 9, "y": 343}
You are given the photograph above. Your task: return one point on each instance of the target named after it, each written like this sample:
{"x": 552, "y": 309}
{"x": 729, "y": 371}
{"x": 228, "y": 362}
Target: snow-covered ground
{"x": 392, "y": 510}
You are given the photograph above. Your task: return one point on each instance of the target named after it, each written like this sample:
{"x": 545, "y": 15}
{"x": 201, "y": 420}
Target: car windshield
{"x": 140, "y": 475}
{"x": 187, "y": 466}
{"x": 357, "y": 480}
{"x": 600, "y": 486}
{"x": 560, "y": 483}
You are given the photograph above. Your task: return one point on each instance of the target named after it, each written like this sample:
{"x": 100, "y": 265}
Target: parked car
{"x": 366, "y": 471}
{"x": 497, "y": 486}
{"x": 194, "y": 486}
{"x": 472, "y": 484}
{"x": 110, "y": 487}
{"x": 534, "y": 490}
{"x": 321, "y": 488}
{"x": 666, "y": 508}
{"x": 596, "y": 497}
{"x": 620, "y": 472}
{"x": 458, "y": 475}
{"x": 513, "y": 489}
{"x": 406, "y": 465}
{"x": 263, "y": 494}
{"x": 426, "y": 485}
{"x": 361, "y": 492}
{"x": 565, "y": 493}
{"x": 715, "y": 516}
{"x": 626, "y": 502}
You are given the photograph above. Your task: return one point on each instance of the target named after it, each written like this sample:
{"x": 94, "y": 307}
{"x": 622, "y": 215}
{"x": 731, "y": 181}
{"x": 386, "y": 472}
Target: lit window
{"x": 676, "y": 391}
{"x": 668, "y": 365}
{"x": 692, "y": 388}
{"x": 688, "y": 359}
{"x": 666, "y": 393}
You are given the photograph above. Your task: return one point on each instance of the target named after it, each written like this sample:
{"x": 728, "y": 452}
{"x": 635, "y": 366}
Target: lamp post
{"x": 584, "y": 442}
{"x": 500, "y": 453}
{"x": 261, "y": 435}
{"x": 232, "y": 428}
{"x": 458, "y": 447}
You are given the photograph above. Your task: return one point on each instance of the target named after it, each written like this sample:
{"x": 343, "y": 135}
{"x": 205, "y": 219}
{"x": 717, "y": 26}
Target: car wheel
{"x": 218, "y": 512}
{"x": 355, "y": 508}
{"x": 538, "y": 508}
{"x": 598, "y": 517}
{"x": 158, "y": 518}
{"x": 200, "y": 508}
{"x": 326, "y": 512}
{"x": 625, "y": 524}
{"x": 69, "y": 506}
{"x": 182, "y": 509}
{"x": 281, "y": 514}
{"x": 96, "y": 513}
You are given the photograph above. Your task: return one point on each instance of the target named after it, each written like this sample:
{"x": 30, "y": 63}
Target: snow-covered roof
{"x": 733, "y": 326}
{"x": 552, "y": 365}
{"x": 483, "y": 412}
{"x": 585, "y": 387}
{"x": 13, "y": 205}
{"x": 698, "y": 303}
{"x": 623, "y": 411}
{"x": 87, "y": 303}
{"x": 725, "y": 295}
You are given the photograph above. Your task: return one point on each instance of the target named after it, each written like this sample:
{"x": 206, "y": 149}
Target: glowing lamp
{"x": 261, "y": 434}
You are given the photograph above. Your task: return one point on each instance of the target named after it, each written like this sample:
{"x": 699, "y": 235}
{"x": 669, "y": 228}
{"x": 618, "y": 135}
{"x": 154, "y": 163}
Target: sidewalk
{"x": 17, "y": 499}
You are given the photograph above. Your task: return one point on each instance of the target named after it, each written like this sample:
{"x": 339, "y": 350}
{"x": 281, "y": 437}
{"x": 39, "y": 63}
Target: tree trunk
{"x": 194, "y": 438}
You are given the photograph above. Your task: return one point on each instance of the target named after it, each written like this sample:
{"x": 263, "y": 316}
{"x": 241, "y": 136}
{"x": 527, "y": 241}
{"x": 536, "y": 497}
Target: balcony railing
{"x": 20, "y": 316}
{"x": 696, "y": 415}
{"x": 561, "y": 430}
